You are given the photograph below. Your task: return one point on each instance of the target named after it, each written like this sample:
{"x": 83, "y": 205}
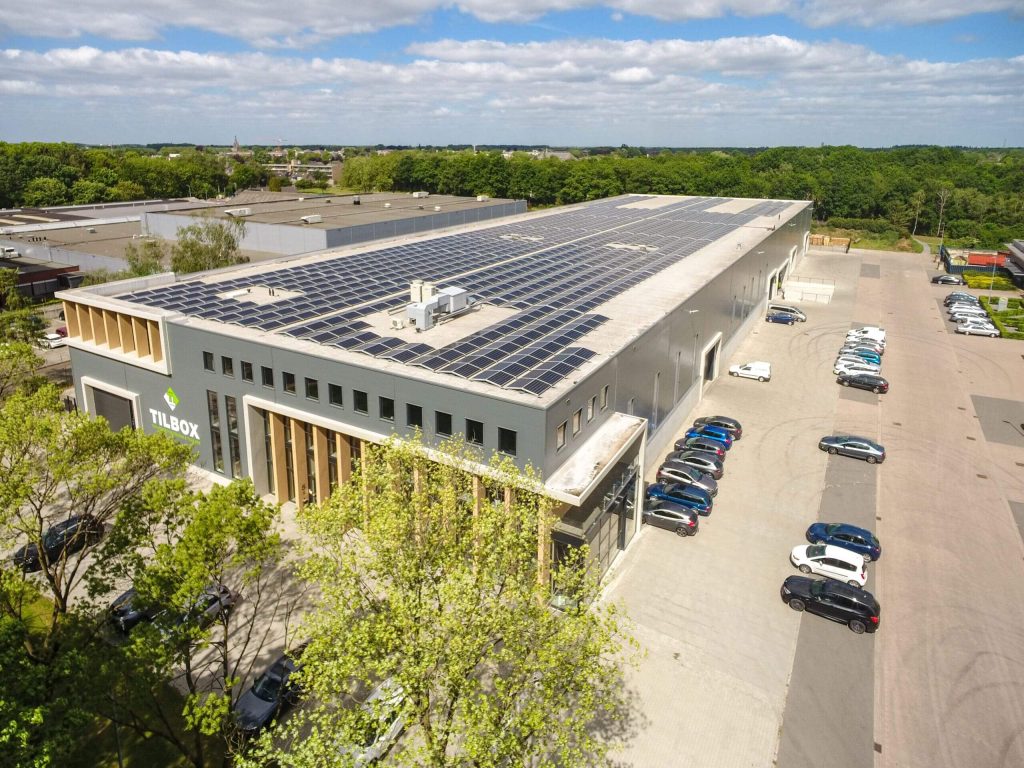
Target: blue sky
{"x": 556, "y": 72}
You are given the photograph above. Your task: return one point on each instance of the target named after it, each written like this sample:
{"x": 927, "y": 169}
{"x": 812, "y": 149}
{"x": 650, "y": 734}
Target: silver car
{"x": 673, "y": 471}
{"x": 851, "y": 445}
{"x": 382, "y": 722}
{"x": 978, "y": 329}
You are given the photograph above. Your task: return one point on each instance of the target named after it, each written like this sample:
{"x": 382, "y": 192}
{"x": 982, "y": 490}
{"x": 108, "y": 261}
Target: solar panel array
{"x": 552, "y": 270}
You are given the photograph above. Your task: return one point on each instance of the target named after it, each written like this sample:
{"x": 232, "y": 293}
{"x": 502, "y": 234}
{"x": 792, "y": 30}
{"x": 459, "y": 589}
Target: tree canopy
{"x": 431, "y": 579}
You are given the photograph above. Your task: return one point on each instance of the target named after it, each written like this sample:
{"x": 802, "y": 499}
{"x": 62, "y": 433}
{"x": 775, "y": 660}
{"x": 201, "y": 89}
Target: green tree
{"x": 45, "y": 192}
{"x": 275, "y": 183}
{"x": 173, "y": 544}
{"x": 84, "y": 192}
{"x": 917, "y": 201}
{"x": 146, "y": 259}
{"x": 127, "y": 190}
{"x": 10, "y": 297}
{"x": 208, "y": 244}
{"x": 427, "y": 581}
{"x": 18, "y": 364}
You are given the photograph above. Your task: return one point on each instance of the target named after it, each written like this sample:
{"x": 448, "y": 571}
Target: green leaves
{"x": 208, "y": 244}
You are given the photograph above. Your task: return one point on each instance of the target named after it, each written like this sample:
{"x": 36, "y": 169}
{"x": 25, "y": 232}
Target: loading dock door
{"x": 116, "y": 410}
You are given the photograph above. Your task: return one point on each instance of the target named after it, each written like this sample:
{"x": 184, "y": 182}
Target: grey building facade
{"x": 624, "y": 308}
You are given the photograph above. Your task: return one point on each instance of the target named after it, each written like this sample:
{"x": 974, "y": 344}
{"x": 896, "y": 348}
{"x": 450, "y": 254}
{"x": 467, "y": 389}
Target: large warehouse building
{"x": 574, "y": 340}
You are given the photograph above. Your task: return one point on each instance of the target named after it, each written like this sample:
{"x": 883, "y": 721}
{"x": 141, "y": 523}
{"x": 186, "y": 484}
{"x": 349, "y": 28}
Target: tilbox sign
{"x": 172, "y": 423}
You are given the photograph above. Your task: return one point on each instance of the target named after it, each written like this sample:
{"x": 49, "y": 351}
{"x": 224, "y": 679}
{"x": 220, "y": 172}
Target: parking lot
{"x": 732, "y": 677}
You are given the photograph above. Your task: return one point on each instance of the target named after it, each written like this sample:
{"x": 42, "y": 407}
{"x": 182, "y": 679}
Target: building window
{"x": 246, "y": 371}
{"x": 216, "y": 439}
{"x": 560, "y": 436}
{"x": 507, "y": 441}
{"x": 443, "y": 423}
{"x": 289, "y": 458}
{"x": 360, "y": 401}
{"x": 591, "y": 407}
{"x": 604, "y": 395}
{"x": 208, "y": 361}
{"x": 312, "y": 389}
{"x": 233, "y": 452}
{"x": 268, "y": 376}
{"x": 334, "y": 394}
{"x": 288, "y": 382}
{"x": 414, "y": 415}
{"x": 387, "y": 408}
{"x": 268, "y": 449}
{"x": 474, "y": 432}
{"x": 310, "y": 485}
{"x": 577, "y": 422}
{"x": 332, "y": 460}
{"x": 227, "y": 366}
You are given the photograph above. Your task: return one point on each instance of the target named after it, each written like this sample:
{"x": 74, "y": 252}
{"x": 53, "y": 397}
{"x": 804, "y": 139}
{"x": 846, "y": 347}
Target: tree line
{"x": 961, "y": 193}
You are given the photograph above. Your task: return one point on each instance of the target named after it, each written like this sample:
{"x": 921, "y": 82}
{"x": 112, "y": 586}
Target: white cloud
{"x": 746, "y": 90}
{"x": 305, "y": 22}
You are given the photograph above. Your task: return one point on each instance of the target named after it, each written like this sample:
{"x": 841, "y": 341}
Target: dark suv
{"x": 852, "y": 606}
{"x": 868, "y": 381}
{"x": 68, "y": 537}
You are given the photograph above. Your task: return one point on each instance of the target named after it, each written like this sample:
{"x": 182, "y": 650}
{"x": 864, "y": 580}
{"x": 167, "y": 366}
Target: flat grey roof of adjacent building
{"x": 556, "y": 292}
{"x": 340, "y": 211}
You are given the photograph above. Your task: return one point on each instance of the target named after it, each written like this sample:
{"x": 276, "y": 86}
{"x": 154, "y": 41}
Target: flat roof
{"x": 558, "y": 292}
{"x": 340, "y": 211}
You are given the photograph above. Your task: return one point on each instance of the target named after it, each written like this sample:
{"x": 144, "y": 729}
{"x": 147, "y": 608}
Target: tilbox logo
{"x": 172, "y": 423}
{"x": 171, "y": 399}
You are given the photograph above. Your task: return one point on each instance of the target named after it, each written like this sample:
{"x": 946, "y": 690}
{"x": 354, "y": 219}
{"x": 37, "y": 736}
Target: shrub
{"x": 984, "y": 280}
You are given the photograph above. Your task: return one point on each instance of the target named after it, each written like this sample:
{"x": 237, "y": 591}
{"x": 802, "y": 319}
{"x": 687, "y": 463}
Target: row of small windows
{"x": 361, "y": 403}
{"x": 593, "y": 405}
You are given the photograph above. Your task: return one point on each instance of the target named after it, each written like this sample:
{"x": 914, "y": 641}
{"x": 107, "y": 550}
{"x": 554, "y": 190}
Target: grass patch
{"x": 964, "y": 242}
{"x": 1011, "y": 317}
{"x": 890, "y": 240}
{"x": 985, "y": 281}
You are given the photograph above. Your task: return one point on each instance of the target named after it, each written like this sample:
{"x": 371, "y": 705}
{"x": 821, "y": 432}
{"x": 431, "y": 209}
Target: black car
{"x": 700, "y": 444}
{"x": 852, "y": 606}
{"x": 671, "y": 517}
{"x": 126, "y": 612}
{"x": 727, "y": 423}
{"x": 270, "y": 694}
{"x": 868, "y": 381}
{"x": 953, "y": 298}
{"x": 65, "y": 538}
{"x": 948, "y": 280}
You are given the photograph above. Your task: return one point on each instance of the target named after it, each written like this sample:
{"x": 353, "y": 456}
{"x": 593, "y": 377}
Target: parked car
{"x": 833, "y": 562}
{"x": 214, "y": 601}
{"x": 977, "y": 329}
{"x": 732, "y": 426}
{"x": 965, "y": 306}
{"x": 869, "y": 381}
{"x": 683, "y": 521}
{"x": 863, "y": 352}
{"x": 758, "y": 369}
{"x": 676, "y": 472}
{"x": 708, "y": 432}
{"x": 61, "y": 331}
{"x": 383, "y": 722}
{"x": 270, "y": 694}
{"x": 856, "y": 608}
{"x": 948, "y": 280}
{"x": 780, "y": 317}
{"x": 979, "y": 321}
{"x": 51, "y": 341}
{"x": 859, "y": 540}
{"x": 682, "y": 494}
{"x": 851, "y": 445}
{"x": 968, "y": 314}
{"x": 64, "y": 538}
{"x": 701, "y": 444}
{"x": 788, "y": 309}
{"x": 964, "y": 298}
{"x": 126, "y": 612}
{"x": 862, "y": 366}
{"x": 872, "y": 337}
{"x": 705, "y": 462}
{"x": 850, "y": 357}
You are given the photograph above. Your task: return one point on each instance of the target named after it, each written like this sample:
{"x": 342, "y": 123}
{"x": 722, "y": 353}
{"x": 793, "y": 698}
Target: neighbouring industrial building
{"x": 575, "y": 340}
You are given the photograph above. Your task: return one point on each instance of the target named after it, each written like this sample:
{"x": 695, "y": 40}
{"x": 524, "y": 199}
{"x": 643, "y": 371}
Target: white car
{"x": 51, "y": 341}
{"x": 978, "y": 329}
{"x": 758, "y": 369}
{"x": 834, "y": 562}
{"x": 962, "y": 305}
{"x": 961, "y": 317}
{"x": 842, "y": 366}
{"x": 875, "y": 335}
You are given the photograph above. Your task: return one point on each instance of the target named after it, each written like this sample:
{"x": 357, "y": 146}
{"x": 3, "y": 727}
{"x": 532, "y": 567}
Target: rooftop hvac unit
{"x": 397, "y": 323}
{"x": 313, "y": 218}
{"x": 416, "y": 291}
{"x": 421, "y": 194}
{"x": 91, "y": 230}
{"x": 355, "y": 199}
{"x": 238, "y": 212}
{"x": 429, "y": 291}
{"x": 387, "y": 205}
{"x": 482, "y": 198}
{"x": 437, "y": 207}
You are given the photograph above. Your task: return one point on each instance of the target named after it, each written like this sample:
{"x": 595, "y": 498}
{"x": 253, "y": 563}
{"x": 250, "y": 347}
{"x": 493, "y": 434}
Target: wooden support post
{"x": 344, "y": 450}
{"x": 277, "y": 445}
{"x": 299, "y": 463}
{"x": 544, "y": 541}
{"x": 321, "y": 458}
